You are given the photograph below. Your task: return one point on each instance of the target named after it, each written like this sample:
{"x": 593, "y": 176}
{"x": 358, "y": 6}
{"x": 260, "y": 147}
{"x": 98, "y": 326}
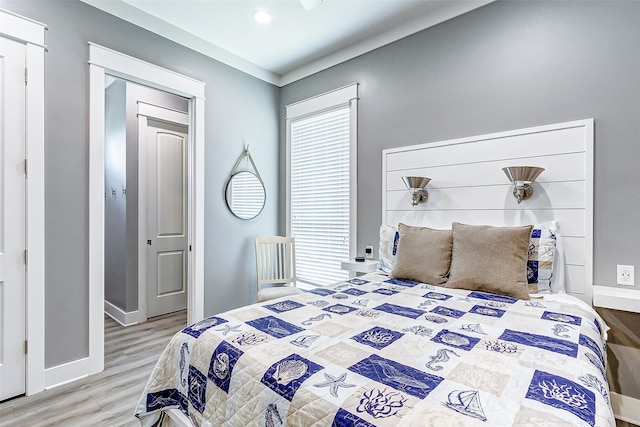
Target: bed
{"x": 375, "y": 351}
{"x": 464, "y": 323}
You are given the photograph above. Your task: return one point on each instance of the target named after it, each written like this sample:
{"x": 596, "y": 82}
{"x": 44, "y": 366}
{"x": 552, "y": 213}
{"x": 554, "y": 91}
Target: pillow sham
{"x": 490, "y": 259}
{"x": 388, "y": 246}
{"x": 542, "y": 252}
{"x": 423, "y": 254}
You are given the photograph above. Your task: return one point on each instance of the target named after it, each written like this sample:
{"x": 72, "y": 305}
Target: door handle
{"x": 148, "y": 242}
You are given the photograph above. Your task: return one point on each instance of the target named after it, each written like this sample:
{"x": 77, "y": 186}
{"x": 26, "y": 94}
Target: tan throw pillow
{"x": 423, "y": 254}
{"x": 490, "y": 259}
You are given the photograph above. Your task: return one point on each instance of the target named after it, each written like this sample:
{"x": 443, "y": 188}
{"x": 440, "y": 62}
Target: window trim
{"x": 347, "y": 95}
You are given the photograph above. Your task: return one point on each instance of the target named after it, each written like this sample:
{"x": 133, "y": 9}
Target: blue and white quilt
{"x": 378, "y": 352}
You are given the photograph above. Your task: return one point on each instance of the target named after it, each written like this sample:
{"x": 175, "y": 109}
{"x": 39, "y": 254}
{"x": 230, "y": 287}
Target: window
{"x": 321, "y": 182}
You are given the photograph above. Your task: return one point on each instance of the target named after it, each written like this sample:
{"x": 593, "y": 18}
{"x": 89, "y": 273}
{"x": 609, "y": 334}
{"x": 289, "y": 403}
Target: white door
{"x": 12, "y": 218}
{"x": 167, "y": 228}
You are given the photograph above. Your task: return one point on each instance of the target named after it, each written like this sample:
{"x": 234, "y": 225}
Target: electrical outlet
{"x": 626, "y": 276}
{"x": 368, "y": 252}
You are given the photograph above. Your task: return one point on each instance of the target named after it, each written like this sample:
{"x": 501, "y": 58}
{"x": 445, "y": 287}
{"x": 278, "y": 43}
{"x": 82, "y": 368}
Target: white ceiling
{"x": 297, "y": 42}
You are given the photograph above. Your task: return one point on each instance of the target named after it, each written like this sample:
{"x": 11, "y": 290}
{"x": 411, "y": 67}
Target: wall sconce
{"x": 416, "y": 185}
{"x": 522, "y": 177}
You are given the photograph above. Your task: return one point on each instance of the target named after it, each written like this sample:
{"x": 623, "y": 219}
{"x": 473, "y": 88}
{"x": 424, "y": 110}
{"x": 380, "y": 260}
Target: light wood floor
{"x": 105, "y": 399}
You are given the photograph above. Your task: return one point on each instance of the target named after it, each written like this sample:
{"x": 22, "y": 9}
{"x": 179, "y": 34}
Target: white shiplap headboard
{"x": 468, "y": 185}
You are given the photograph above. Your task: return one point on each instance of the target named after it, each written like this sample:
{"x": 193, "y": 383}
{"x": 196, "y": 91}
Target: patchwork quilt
{"x": 375, "y": 351}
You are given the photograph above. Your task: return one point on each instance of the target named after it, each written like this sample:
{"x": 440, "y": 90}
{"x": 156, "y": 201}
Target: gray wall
{"x": 115, "y": 205}
{"x": 239, "y": 109}
{"x": 505, "y": 66}
{"x": 508, "y": 65}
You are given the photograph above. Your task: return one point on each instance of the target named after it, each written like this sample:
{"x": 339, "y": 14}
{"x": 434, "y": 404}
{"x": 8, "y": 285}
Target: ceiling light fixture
{"x": 261, "y": 16}
{"x": 310, "y": 4}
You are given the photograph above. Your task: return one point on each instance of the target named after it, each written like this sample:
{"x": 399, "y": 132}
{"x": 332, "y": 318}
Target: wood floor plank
{"x": 108, "y": 398}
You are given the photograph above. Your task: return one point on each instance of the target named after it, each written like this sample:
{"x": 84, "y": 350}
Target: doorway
{"x": 103, "y": 61}
{"x": 146, "y": 201}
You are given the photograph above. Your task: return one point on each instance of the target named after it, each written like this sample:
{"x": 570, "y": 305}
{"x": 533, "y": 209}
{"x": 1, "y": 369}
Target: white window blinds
{"x": 320, "y": 194}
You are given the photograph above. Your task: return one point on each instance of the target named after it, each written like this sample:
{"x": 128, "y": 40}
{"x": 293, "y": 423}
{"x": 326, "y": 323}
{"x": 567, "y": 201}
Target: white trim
{"x": 142, "y": 219}
{"x": 66, "y": 373}
{"x": 103, "y": 60}
{"x": 35, "y": 220}
{"x": 315, "y": 104}
{"x": 616, "y": 298}
{"x": 195, "y": 296}
{"x": 32, "y": 34}
{"x": 22, "y": 29}
{"x": 353, "y": 175}
{"x": 96, "y": 218}
{"x": 162, "y": 114}
{"x": 346, "y": 95}
{"x": 124, "y": 318}
{"x": 135, "y": 70}
{"x": 625, "y": 408}
{"x": 587, "y": 123}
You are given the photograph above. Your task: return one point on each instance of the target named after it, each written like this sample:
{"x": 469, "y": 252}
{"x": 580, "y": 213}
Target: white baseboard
{"x": 65, "y": 373}
{"x": 120, "y": 316}
{"x": 626, "y": 408}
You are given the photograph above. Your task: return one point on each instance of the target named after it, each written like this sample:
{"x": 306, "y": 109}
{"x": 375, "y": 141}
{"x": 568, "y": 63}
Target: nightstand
{"x": 353, "y": 266}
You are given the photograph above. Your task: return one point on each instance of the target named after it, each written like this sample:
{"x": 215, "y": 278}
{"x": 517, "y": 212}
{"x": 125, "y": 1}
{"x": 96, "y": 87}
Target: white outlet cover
{"x": 625, "y": 275}
{"x": 368, "y": 252}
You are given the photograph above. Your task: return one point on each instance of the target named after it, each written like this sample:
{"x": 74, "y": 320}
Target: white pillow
{"x": 389, "y": 238}
{"x": 545, "y": 266}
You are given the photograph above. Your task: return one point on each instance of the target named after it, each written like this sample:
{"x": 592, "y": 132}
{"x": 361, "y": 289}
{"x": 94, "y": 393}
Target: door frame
{"x": 103, "y": 61}
{"x": 147, "y": 111}
{"x": 32, "y": 34}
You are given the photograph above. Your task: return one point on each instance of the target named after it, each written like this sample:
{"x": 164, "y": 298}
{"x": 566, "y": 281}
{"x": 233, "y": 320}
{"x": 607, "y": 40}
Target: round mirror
{"x": 245, "y": 195}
